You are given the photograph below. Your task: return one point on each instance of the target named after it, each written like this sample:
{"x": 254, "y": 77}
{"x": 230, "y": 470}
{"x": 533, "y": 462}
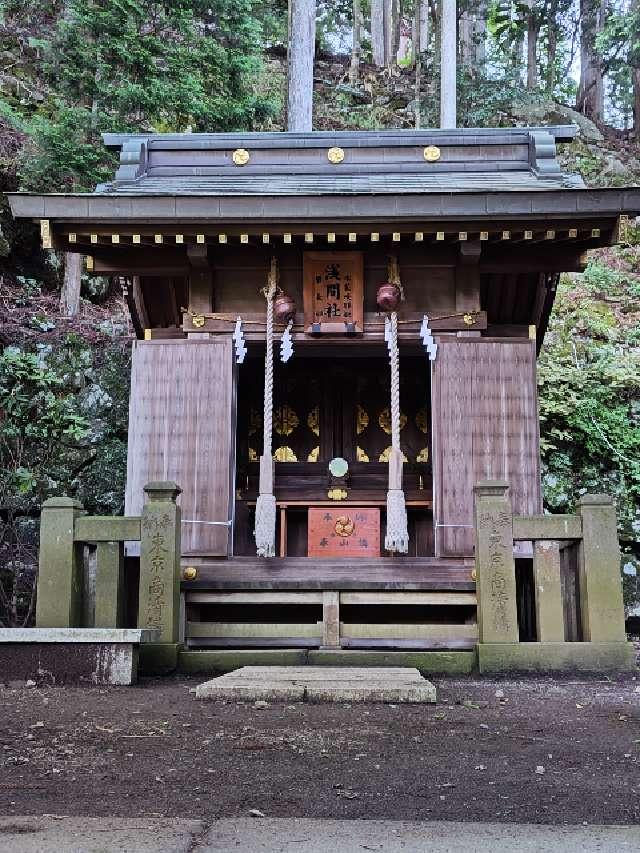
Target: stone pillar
{"x": 495, "y": 566}
{"x": 601, "y": 603}
{"x": 546, "y": 577}
{"x": 159, "y": 603}
{"x": 59, "y": 602}
{"x": 330, "y": 620}
{"x": 109, "y": 585}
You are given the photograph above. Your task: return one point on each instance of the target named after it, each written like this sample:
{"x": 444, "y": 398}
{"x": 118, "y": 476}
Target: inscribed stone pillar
{"x": 546, "y": 578}
{"x": 600, "y": 583}
{"x": 495, "y": 566}
{"x": 159, "y": 605}
{"x": 59, "y": 603}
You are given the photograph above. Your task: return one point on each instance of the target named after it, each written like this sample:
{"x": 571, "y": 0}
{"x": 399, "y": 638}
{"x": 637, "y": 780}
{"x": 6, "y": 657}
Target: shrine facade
{"x": 467, "y": 232}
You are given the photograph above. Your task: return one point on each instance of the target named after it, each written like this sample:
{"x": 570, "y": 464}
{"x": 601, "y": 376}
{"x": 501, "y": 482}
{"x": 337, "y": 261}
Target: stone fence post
{"x": 159, "y": 600}
{"x": 495, "y": 566}
{"x": 600, "y": 584}
{"x": 59, "y": 601}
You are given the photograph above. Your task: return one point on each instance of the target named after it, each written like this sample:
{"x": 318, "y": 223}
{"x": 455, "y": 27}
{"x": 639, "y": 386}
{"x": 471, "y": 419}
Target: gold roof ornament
{"x": 431, "y": 153}
{"x": 241, "y": 156}
{"x": 335, "y": 155}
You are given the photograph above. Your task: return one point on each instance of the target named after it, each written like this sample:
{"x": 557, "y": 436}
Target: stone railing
{"x": 65, "y": 530}
{"x": 597, "y": 591}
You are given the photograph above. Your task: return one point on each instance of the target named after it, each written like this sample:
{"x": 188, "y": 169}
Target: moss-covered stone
{"x": 555, "y": 657}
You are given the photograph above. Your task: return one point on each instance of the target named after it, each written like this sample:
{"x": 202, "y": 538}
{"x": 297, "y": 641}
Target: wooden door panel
{"x": 181, "y": 423}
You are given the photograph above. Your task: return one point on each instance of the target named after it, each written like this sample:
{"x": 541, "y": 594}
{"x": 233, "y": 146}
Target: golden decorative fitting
{"x": 73, "y": 238}
{"x": 253, "y": 455}
{"x": 285, "y": 454}
{"x": 179, "y": 238}
{"x": 314, "y": 454}
{"x": 89, "y": 263}
{"x": 308, "y": 237}
{"x": 423, "y": 456}
{"x": 115, "y": 238}
{"x": 550, "y": 235}
{"x": 94, "y": 238}
{"x": 362, "y": 420}
{"x": 506, "y": 235}
{"x": 440, "y": 235}
{"x": 419, "y": 236}
{"x": 484, "y": 235}
{"x": 344, "y": 526}
{"x": 386, "y": 453}
{"x": 241, "y": 156}
{"x": 335, "y": 155}
{"x": 287, "y": 238}
{"x": 135, "y": 238}
{"x": 331, "y": 237}
{"x": 396, "y": 236}
{"x": 352, "y": 236}
{"x": 533, "y": 332}
{"x": 337, "y": 494}
{"x": 528, "y": 235}
{"x": 197, "y": 320}
{"x": 45, "y": 234}
{"x": 361, "y": 455}
{"x": 158, "y": 238}
{"x": 285, "y": 420}
{"x": 573, "y": 232}
{"x": 462, "y": 235}
{"x": 469, "y": 319}
{"x": 190, "y": 573}
{"x": 422, "y": 420}
{"x": 147, "y": 334}
{"x": 474, "y": 575}
{"x": 595, "y": 232}
{"x": 244, "y": 238}
{"x": 431, "y": 153}
{"x": 313, "y": 420}
{"x": 374, "y": 236}
{"x": 222, "y": 238}
{"x": 265, "y": 238}
{"x": 200, "y": 238}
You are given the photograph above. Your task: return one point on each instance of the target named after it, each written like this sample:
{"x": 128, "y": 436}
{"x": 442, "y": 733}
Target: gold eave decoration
{"x": 337, "y": 494}
{"x": 197, "y": 320}
{"x": 285, "y": 454}
{"x": 335, "y": 155}
{"x": 241, "y": 156}
{"x": 431, "y": 153}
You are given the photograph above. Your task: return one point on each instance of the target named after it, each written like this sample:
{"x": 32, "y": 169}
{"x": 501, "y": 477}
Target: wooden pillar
{"x": 109, "y": 585}
{"x": 200, "y": 280}
{"x": 601, "y": 603}
{"x": 159, "y": 602}
{"x": 59, "y": 602}
{"x": 468, "y": 276}
{"x": 448, "y": 63}
{"x": 495, "y": 566}
{"x": 548, "y": 592}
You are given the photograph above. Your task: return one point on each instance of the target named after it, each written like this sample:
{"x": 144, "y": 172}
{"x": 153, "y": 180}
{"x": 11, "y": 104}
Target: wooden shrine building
{"x": 476, "y": 227}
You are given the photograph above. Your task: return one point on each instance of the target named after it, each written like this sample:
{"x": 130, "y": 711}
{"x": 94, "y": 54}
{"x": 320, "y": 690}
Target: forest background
{"x": 72, "y": 69}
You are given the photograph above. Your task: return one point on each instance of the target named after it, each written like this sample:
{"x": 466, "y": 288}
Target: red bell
{"x": 284, "y": 308}
{"x": 388, "y": 296}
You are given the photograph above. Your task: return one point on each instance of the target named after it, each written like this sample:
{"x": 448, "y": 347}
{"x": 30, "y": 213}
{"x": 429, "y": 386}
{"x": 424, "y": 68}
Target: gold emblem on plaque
{"x": 285, "y": 421}
{"x": 384, "y": 419}
{"x": 240, "y": 156}
{"x": 313, "y": 421}
{"x": 335, "y": 155}
{"x": 285, "y": 454}
{"x": 197, "y": 320}
{"x": 344, "y": 526}
{"x": 431, "y": 153}
{"x": 362, "y": 420}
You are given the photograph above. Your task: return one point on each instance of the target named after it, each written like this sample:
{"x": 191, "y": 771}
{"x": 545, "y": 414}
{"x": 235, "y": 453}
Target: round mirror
{"x": 338, "y": 467}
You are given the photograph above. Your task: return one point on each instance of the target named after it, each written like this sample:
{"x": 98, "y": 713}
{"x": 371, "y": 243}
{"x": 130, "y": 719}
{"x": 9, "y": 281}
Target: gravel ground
{"x": 561, "y": 751}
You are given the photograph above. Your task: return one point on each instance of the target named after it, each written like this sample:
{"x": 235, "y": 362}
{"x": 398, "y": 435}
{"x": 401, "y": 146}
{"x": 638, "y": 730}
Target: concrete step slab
{"x": 320, "y": 684}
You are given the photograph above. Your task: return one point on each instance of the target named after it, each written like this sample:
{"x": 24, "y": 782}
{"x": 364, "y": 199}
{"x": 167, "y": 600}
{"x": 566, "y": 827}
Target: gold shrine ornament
{"x": 431, "y": 153}
{"x": 197, "y": 320}
{"x": 241, "y": 156}
{"x": 190, "y": 573}
{"x": 335, "y": 155}
{"x": 337, "y": 494}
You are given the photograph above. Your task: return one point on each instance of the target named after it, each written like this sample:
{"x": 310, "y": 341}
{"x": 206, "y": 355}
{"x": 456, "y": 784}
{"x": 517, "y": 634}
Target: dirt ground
{"x": 540, "y": 751}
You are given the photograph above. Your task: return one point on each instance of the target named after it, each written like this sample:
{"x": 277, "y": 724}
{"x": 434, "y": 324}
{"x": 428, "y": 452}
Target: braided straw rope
{"x": 397, "y": 536}
{"x": 265, "y": 526}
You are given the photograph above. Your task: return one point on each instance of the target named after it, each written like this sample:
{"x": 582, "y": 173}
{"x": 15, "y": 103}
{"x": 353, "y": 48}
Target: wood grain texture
{"x": 180, "y": 428}
{"x": 485, "y": 417}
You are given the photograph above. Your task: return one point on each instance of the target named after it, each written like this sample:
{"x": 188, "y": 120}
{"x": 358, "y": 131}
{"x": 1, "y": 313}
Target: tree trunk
{"x": 422, "y": 39}
{"x": 590, "y": 99}
{"x": 354, "y": 69}
{"x": 532, "y": 44}
{"x": 377, "y": 32}
{"x": 552, "y": 46}
{"x": 448, "y": 64}
{"x": 417, "y": 29}
{"x": 472, "y": 31}
{"x": 388, "y": 32}
{"x": 634, "y": 61}
{"x": 70, "y": 293}
{"x": 302, "y": 36}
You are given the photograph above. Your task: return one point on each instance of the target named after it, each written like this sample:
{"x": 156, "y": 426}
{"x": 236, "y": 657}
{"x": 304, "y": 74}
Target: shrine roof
{"x": 422, "y": 173}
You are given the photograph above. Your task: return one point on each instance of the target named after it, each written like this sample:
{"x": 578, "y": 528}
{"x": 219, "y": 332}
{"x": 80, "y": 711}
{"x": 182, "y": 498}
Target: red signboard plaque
{"x": 345, "y": 531}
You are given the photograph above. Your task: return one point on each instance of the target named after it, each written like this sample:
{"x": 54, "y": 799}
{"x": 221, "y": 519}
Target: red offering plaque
{"x": 345, "y": 531}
